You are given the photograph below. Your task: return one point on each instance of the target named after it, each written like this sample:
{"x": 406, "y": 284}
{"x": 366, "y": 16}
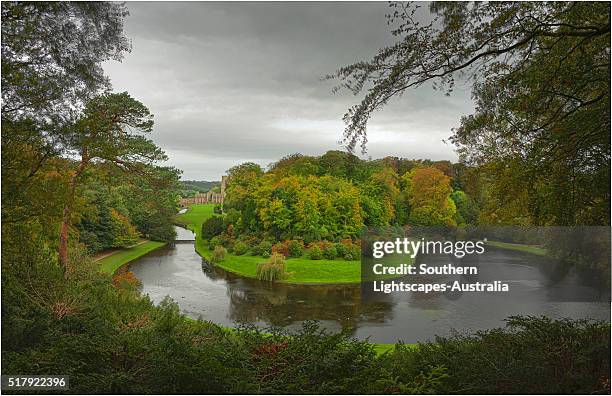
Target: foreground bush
{"x": 313, "y": 361}
{"x": 272, "y": 270}
{"x": 125, "y": 280}
{"x": 530, "y": 355}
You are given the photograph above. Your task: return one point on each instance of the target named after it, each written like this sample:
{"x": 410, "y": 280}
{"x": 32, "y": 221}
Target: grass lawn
{"x": 382, "y": 348}
{"x": 300, "y": 270}
{"x": 537, "y": 250}
{"x": 111, "y": 263}
{"x": 196, "y": 215}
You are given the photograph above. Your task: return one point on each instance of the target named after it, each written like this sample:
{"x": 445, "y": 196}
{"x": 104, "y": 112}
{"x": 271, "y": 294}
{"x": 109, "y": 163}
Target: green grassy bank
{"x": 111, "y": 263}
{"x": 300, "y": 270}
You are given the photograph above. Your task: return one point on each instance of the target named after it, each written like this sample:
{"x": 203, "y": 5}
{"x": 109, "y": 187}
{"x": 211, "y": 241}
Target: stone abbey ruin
{"x": 207, "y": 197}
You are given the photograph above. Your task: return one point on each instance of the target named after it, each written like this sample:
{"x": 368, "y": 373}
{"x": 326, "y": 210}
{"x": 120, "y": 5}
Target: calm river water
{"x": 205, "y": 291}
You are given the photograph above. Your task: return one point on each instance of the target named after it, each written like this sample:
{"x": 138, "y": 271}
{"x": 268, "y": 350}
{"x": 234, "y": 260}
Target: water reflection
{"x": 253, "y": 301}
{"x": 183, "y": 234}
{"x": 214, "y": 294}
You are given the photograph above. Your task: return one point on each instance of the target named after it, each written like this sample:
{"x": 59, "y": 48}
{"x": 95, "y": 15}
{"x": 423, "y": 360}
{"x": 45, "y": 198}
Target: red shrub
{"x": 281, "y": 248}
{"x": 125, "y": 280}
{"x": 268, "y": 350}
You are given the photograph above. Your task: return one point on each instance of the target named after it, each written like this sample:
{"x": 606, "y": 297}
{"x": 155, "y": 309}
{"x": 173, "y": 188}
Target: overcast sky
{"x": 236, "y": 82}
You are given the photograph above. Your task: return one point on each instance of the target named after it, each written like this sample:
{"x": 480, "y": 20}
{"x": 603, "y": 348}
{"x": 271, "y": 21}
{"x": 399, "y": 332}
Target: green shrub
{"x": 240, "y": 248}
{"x": 315, "y": 252}
{"x": 272, "y": 270}
{"x": 354, "y": 252}
{"x": 218, "y": 254}
{"x": 161, "y": 232}
{"x": 532, "y": 355}
{"x": 214, "y": 242}
{"x": 348, "y": 250}
{"x": 341, "y": 250}
{"x": 249, "y": 239}
{"x": 212, "y": 227}
{"x": 314, "y": 361}
{"x": 226, "y": 239}
{"x": 263, "y": 249}
{"x": 295, "y": 248}
{"x": 330, "y": 252}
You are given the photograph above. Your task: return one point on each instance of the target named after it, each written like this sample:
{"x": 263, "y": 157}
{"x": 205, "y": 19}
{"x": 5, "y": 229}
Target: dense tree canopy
{"x": 341, "y": 194}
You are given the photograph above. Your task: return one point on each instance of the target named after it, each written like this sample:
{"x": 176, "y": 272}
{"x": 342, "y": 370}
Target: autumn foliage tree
{"x": 429, "y": 194}
{"x": 125, "y": 234}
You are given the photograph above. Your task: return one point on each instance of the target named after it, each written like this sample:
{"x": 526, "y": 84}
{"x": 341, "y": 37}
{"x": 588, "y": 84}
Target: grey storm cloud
{"x": 236, "y": 82}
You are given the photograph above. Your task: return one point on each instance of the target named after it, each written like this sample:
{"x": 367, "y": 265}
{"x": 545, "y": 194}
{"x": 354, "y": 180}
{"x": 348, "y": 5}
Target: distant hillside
{"x": 190, "y": 187}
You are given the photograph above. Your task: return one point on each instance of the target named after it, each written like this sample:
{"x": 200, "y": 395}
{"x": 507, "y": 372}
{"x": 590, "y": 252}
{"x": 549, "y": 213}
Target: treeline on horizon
{"x": 189, "y": 188}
